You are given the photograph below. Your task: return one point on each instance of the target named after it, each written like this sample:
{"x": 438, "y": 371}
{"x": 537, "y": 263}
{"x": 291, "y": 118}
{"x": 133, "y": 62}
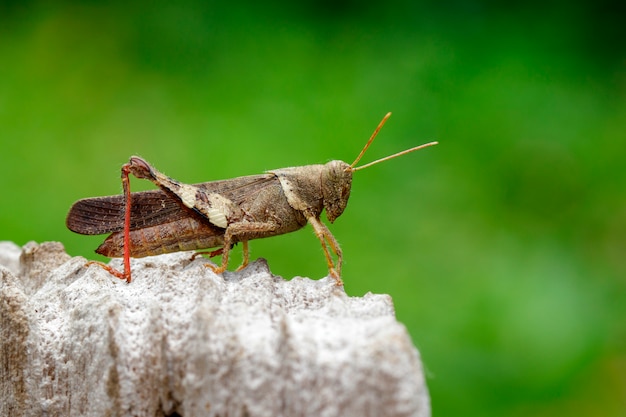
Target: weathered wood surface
{"x": 182, "y": 341}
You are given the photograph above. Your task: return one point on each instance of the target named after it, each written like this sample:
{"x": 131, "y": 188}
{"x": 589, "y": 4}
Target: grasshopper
{"x": 219, "y": 214}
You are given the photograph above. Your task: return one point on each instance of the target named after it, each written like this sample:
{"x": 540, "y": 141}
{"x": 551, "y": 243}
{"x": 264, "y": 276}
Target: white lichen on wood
{"x": 180, "y": 340}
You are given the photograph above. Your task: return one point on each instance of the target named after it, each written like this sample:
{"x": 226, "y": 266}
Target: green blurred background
{"x": 504, "y": 248}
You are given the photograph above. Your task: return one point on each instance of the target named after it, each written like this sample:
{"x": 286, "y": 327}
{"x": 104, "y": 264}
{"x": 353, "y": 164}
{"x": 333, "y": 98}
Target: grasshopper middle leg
{"x": 241, "y": 232}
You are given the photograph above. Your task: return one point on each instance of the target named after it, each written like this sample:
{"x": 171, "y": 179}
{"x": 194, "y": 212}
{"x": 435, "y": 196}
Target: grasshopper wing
{"x": 99, "y": 215}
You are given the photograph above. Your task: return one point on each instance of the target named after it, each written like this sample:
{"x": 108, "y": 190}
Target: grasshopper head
{"x": 336, "y": 184}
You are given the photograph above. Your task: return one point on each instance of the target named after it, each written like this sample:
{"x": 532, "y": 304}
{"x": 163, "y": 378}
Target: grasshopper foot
{"x": 242, "y": 266}
{"x": 335, "y": 275}
{"x": 216, "y": 269}
{"x": 110, "y": 270}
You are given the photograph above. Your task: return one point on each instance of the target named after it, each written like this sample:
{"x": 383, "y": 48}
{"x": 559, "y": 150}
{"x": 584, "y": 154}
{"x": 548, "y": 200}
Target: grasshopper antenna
{"x": 395, "y": 155}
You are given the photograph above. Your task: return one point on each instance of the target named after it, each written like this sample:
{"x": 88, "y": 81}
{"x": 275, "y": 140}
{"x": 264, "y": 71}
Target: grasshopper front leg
{"x": 323, "y": 234}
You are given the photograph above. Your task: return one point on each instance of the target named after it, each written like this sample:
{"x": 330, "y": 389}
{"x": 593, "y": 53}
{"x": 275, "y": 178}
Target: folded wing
{"x": 98, "y": 215}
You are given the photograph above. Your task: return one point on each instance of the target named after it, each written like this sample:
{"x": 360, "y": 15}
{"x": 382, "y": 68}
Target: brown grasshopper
{"x": 218, "y": 214}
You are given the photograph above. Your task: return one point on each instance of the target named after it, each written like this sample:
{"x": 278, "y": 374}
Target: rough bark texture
{"x": 182, "y": 341}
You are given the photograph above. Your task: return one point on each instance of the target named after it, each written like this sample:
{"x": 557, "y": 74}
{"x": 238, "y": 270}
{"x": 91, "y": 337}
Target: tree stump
{"x": 182, "y": 341}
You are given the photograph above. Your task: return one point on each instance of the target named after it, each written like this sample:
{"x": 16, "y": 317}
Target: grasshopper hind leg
{"x": 210, "y": 254}
{"x": 110, "y": 270}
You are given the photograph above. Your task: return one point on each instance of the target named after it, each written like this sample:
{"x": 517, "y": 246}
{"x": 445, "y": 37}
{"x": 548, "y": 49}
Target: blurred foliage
{"x": 503, "y": 247}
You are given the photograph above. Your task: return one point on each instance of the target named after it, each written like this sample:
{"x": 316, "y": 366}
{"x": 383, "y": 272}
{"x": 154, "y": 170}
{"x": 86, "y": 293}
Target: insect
{"x": 219, "y": 214}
